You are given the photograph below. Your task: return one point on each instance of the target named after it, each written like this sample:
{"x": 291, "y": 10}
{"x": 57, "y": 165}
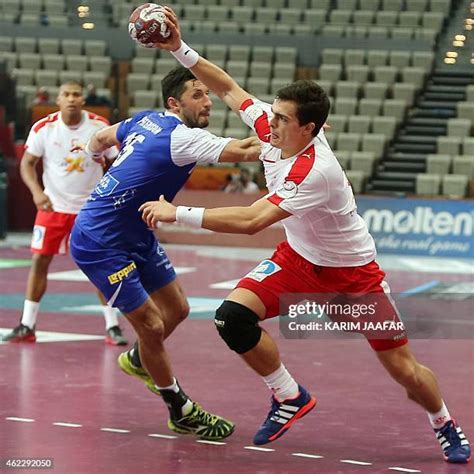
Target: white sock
{"x": 174, "y": 386}
{"x": 30, "y": 313}
{"x": 110, "y": 315}
{"x": 282, "y": 384}
{"x": 188, "y": 406}
{"x": 439, "y": 418}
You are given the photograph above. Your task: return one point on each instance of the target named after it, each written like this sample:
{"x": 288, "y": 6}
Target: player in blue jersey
{"x": 120, "y": 255}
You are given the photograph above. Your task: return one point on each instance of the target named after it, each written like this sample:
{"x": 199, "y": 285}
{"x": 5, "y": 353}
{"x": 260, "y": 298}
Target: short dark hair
{"x": 174, "y": 83}
{"x": 312, "y": 102}
{"x": 72, "y": 82}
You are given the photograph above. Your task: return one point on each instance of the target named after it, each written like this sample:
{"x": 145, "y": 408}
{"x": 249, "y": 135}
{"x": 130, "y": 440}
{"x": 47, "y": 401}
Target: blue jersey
{"x": 157, "y": 155}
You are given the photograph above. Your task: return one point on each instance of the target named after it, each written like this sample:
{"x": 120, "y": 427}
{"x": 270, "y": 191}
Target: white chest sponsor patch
{"x": 263, "y": 270}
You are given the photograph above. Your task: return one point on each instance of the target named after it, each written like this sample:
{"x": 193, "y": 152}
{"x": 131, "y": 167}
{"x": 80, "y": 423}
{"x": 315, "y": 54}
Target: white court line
{"x": 156, "y": 435}
{"x": 114, "y": 430}
{"x": 224, "y": 285}
{"x": 402, "y": 469}
{"x": 357, "y": 463}
{"x": 14, "y": 418}
{"x": 256, "y": 448}
{"x": 311, "y": 456}
{"x": 67, "y": 425}
{"x": 78, "y": 275}
{"x": 216, "y": 443}
{"x": 205, "y": 441}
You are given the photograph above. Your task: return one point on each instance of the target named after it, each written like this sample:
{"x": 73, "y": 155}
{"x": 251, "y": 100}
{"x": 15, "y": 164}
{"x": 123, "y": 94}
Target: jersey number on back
{"x": 128, "y": 147}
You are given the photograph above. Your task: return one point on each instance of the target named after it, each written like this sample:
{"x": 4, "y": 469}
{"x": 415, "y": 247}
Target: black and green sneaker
{"x": 202, "y": 424}
{"x": 125, "y": 363}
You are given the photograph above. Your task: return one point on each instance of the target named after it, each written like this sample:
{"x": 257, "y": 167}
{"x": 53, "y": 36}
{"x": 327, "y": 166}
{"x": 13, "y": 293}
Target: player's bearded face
{"x": 195, "y": 105}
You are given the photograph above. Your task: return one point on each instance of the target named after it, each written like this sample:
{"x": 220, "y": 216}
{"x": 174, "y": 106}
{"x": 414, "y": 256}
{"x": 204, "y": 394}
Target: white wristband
{"x": 191, "y": 216}
{"x": 186, "y": 55}
{"x": 89, "y": 152}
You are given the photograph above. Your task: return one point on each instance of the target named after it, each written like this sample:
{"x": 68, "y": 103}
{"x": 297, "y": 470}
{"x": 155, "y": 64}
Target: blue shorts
{"x": 125, "y": 278}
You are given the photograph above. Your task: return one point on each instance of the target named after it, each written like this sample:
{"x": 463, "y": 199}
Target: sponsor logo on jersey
{"x": 288, "y": 190}
{"x": 75, "y": 163}
{"x": 106, "y": 186}
{"x": 263, "y": 270}
{"x": 121, "y": 274}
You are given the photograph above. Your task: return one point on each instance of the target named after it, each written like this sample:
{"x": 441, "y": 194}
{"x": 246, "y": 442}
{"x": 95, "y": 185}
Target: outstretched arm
{"x": 220, "y": 83}
{"x": 231, "y": 220}
{"x": 102, "y": 140}
{"x": 211, "y": 75}
{"x": 247, "y": 149}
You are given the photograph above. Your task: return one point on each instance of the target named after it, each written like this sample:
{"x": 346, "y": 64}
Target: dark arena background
{"x": 400, "y": 76}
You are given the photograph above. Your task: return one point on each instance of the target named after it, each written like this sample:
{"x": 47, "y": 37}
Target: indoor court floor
{"x": 64, "y": 397}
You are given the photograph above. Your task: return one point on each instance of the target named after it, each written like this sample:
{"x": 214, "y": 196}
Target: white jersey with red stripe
{"x": 324, "y": 227}
{"x": 68, "y": 178}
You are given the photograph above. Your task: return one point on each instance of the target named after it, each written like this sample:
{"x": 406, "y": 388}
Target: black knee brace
{"x": 238, "y": 326}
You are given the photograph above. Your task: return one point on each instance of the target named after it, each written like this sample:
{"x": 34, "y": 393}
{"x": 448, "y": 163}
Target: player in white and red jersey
{"x": 328, "y": 249}
{"x": 68, "y": 178}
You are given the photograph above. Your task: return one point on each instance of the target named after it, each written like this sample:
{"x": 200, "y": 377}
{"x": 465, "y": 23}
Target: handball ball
{"x": 147, "y": 25}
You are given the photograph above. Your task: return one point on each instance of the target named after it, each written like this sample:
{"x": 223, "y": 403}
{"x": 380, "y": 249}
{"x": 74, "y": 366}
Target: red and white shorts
{"x": 51, "y": 232}
{"x": 288, "y": 272}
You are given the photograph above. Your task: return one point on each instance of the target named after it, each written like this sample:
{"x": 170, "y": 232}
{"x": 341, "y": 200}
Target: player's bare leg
{"x": 35, "y": 289}
{"x": 114, "y": 335}
{"x": 150, "y": 329}
{"x": 186, "y": 416}
{"x": 264, "y": 358}
{"x": 38, "y": 277}
{"x": 173, "y": 305}
{"x": 237, "y": 322}
{"x": 419, "y": 381}
{"x": 422, "y": 387}
{"x": 174, "y": 309}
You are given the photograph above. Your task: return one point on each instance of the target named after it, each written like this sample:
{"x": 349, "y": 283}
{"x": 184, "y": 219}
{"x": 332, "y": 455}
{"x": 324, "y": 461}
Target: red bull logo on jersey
{"x": 121, "y": 274}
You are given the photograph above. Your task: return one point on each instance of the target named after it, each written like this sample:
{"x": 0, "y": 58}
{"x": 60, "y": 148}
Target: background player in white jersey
{"x": 329, "y": 249}
{"x": 68, "y": 180}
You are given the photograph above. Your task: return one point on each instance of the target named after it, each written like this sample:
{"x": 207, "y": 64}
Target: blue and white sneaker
{"x": 282, "y": 415}
{"x": 454, "y": 443}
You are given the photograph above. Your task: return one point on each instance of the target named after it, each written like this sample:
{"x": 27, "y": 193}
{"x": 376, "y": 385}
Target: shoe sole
{"x": 112, "y": 342}
{"x": 148, "y": 383}
{"x": 463, "y": 461}
{"x": 125, "y": 368}
{"x": 304, "y": 411}
{"x": 183, "y": 431}
{"x": 28, "y": 340}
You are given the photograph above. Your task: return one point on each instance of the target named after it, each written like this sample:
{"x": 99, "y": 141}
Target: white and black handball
{"x": 147, "y": 26}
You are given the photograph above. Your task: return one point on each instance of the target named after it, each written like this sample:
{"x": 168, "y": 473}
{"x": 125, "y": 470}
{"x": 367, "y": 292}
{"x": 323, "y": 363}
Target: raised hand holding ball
{"x": 147, "y": 25}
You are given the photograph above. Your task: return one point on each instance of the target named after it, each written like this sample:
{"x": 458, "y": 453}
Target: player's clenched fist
{"x": 42, "y": 202}
{"x": 157, "y": 211}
